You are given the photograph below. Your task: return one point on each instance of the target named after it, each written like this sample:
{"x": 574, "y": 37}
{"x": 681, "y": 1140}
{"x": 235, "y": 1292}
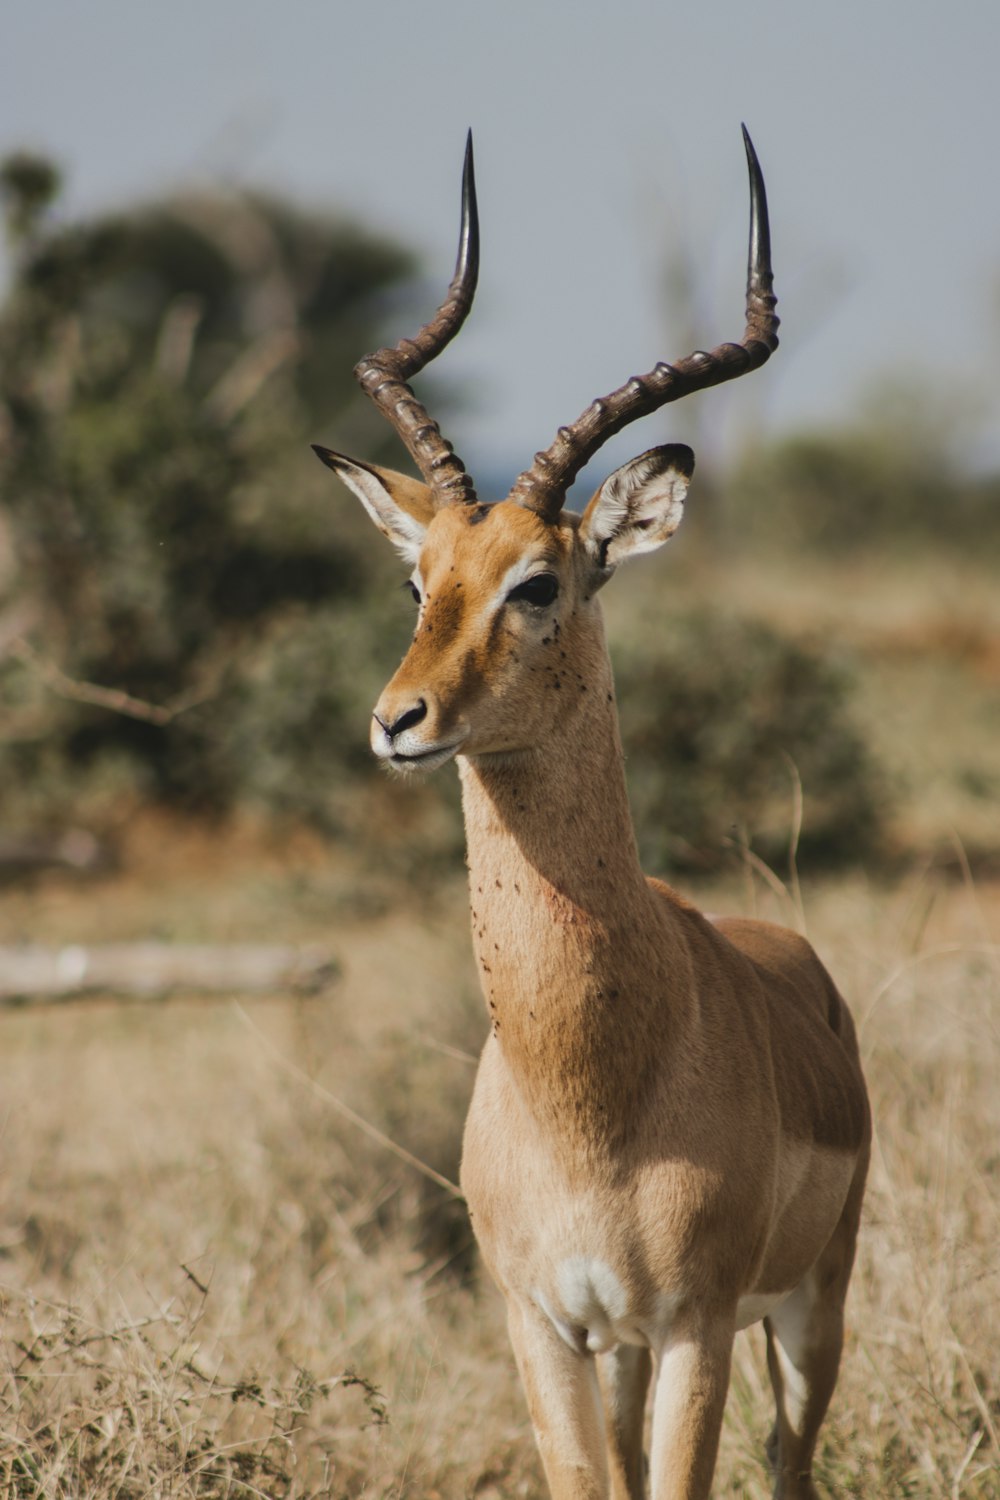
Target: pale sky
{"x": 605, "y": 135}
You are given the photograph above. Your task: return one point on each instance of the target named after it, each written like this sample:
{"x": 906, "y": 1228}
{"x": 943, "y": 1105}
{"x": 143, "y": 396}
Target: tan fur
{"x": 669, "y": 1131}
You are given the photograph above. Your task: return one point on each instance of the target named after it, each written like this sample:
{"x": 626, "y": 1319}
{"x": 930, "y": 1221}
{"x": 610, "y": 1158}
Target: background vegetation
{"x": 166, "y": 540}
{"x": 167, "y": 543}
{"x": 211, "y": 1283}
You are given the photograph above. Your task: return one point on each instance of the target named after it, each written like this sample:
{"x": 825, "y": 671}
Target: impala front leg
{"x": 565, "y": 1405}
{"x": 691, "y": 1383}
{"x": 624, "y": 1375}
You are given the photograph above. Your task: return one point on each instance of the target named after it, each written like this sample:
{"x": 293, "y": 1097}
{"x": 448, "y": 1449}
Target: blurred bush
{"x": 166, "y": 534}
{"x": 170, "y": 549}
{"x": 894, "y": 478}
{"x": 722, "y": 718}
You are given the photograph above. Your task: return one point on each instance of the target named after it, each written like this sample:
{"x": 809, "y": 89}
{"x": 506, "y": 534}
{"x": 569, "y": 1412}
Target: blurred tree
{"x": 160, "y": 373}
{"x": 28, "y": 185}
{"x": 894, "y": 477}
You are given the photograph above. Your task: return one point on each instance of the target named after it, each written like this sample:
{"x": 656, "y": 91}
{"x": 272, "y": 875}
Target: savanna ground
{"x": 213, "y": 1283}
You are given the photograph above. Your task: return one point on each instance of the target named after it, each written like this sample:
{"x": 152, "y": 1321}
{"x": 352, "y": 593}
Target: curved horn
{"x": 383, "y": 375}
{"x": 542, "y": 488}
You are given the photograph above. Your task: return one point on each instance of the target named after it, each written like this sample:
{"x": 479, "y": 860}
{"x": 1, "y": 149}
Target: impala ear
{"x": 638, "y": 508}
{"x": 401, "y": 507}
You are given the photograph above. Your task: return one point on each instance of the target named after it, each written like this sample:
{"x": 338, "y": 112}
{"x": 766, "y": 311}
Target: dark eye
{"x": 413, "y": 590}
{"x": 540, "y": 590}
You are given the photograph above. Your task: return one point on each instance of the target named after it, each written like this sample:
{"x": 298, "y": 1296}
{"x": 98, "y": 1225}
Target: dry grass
{"x": 212, "y": 1285}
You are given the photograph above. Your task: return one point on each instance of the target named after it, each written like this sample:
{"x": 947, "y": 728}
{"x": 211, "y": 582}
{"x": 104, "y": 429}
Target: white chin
{"x": 424, "y": 760}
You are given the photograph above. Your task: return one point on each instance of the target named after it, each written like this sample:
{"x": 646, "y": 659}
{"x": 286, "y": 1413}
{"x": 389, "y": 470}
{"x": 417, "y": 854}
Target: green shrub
{"x": 842, "y": 493}
{"x": 719, "y": 718}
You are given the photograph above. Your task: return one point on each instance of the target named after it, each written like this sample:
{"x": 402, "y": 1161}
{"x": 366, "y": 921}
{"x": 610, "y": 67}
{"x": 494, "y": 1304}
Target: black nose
{"x": 406, "y": 720}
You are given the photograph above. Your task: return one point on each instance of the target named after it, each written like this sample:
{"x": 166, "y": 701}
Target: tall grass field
{"x": 220, "y": 1278}
{"x": 212, "y": 1283}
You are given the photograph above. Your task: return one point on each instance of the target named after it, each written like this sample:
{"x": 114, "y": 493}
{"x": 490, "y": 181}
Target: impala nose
{"x": 406, "y": 720}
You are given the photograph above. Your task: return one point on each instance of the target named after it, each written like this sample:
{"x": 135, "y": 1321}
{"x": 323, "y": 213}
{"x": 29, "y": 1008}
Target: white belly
{"x": 751, "y": 1309}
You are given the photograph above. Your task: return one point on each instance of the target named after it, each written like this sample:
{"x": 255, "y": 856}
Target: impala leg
{"x": 624, "y": 1376}
{"x": 805, "y": 1336}
{"x": 691, "y": 1383}
{"x": 804, "y": 1340}
{"x": 564, "y": 1401}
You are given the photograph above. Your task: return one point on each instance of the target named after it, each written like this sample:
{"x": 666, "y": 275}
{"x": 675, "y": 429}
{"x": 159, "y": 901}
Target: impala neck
{"x": 562, "y": 917}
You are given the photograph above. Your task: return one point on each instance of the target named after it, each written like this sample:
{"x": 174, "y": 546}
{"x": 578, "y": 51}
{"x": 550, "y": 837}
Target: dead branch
{"x": 113, "y": 699}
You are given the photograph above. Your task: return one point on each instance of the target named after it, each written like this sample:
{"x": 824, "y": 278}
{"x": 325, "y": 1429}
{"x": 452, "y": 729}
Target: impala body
{"x": 669, "y": 1132}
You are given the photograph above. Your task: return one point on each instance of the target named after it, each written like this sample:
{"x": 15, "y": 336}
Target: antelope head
{"x": 508, "y": 642}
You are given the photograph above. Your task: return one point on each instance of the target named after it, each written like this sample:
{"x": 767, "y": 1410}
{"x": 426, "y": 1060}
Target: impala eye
{"x": 540, "y": 590}
{"x": 413, "y": 590}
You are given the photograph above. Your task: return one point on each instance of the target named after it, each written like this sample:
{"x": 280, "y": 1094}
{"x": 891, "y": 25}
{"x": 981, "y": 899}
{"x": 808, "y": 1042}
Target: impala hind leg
{"x": 804, "y": 1340}
{"x": 624, "y": 1375}
{"x": 805, "y": 1336}
{"x": 564, "y": 1401}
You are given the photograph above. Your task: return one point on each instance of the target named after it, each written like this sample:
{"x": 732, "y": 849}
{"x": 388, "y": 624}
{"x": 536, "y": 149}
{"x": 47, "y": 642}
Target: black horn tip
{"x": 753, "y": 162}
{"x": 760, "y": 230}
{"x": 753, "y": 165}
{"x": 467, "y": 267}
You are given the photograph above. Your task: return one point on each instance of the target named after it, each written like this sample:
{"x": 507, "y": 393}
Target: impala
{"x": 669, "y": 1132}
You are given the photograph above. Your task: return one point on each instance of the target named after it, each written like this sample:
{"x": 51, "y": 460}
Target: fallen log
{"x": 74, "y": 849}
{"x": 32, "y": 974}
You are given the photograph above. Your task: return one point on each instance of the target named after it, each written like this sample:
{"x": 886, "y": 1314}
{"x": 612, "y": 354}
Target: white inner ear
{"x": 405, "y": 533}
{"x": 637, "y": 509}
{"x": 646, "y": 498}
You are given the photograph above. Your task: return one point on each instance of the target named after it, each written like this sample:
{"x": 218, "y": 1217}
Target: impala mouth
{"x": 420, "y": 760}
{"x": 423, "y": 760}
